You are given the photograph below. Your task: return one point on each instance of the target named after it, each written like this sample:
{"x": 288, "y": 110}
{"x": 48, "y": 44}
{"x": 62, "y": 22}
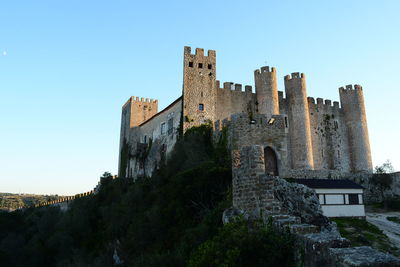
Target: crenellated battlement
{"x": 323, "y": 103}
{"x": 265, "y": 69}
{"x": 350, "y": 87}
{"x": 199, "y": 52}
{"x": 295, "y": 75}
{"x": 143, "y": 100}
{"x": 237, "y": 87}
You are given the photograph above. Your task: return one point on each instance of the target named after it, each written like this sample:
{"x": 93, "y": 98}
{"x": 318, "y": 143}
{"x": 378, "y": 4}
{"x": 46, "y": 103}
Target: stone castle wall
{"x": 316, "y": 138}
{"x": 252, "y": 190}
{"x": 329, "y": 136}
{"x": 153, "y": 140}
{"x": 231, "y": 99}
{"x": 134, "y": 112}
{"x": 245, "y": 131}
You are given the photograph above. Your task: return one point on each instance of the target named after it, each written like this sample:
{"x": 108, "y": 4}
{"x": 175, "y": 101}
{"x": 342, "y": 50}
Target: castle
{"x": 301, "y": 137}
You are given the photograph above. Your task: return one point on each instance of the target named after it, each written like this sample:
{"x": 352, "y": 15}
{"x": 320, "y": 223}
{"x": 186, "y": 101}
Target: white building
{"x": 338, "y": 198}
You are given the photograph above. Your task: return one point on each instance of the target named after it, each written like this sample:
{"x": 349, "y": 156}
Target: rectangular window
{"x": 200, "y": 65}
{"x": 145, "y": 139}
{"x": 163, "y": 128}
{"x": 209, "y": 66}
{"x": 321, "y": 199}
{"x": 201, "y": 107}
{"x": 353, "y": 199}
{"x": 334, "y": 199}
{"x": 191, "y": 64}
{"x": 170, "y": 125}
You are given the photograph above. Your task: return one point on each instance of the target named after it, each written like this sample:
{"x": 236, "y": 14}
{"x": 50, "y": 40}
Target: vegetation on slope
{"x": 362, "y": 233}
{"x": 395, "y": 219}
{"x": 171, "y": 219}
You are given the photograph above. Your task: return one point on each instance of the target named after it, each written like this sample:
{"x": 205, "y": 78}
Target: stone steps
{"x": 303, "y": 229}
{"x": 281, "y": 221}
{"x": 361, "y": 256}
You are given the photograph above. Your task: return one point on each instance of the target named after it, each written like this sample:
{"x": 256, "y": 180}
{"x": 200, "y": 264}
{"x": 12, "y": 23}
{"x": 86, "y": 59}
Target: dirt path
{"x": 391, "y": 229}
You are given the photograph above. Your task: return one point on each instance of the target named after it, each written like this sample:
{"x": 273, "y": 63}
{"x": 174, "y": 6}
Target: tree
{"x": 386, "y": 167}
{"x": 383, "y": 180}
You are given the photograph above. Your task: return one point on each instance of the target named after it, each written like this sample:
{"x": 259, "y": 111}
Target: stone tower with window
{"x": 199, "y": 87}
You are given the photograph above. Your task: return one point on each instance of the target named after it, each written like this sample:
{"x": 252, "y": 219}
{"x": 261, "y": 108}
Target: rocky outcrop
{"x": 229, "y": 215}
{"x": 301, "y": 201}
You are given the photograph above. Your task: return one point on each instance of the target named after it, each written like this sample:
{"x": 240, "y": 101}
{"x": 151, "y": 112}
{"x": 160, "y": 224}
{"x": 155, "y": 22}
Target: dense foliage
{"x": 169, "y": 220}
{"x": 242, "y": 243}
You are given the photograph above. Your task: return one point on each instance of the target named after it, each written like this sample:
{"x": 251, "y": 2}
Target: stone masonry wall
{"x": 244, "y": 131}
{"x": 328, "y": 133}
{"x": 145, "y": 155}
{"x": 199, "y": 87}
{"x": 252, "y": 190}
{"x": 352, "y": 100}
{"x": 231, "y": 99}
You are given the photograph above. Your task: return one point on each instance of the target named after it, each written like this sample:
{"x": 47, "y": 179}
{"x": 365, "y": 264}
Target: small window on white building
{"x": 321, "y": 199}
{"x": 353, "y": 199}
{"x": 145, "y": 139}
{"x": 334, "y": 199}
{"x": 163, "y": 130}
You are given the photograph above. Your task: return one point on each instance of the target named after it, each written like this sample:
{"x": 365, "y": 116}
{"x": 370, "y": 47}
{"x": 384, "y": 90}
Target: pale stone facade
{"x": 308, "y": 138}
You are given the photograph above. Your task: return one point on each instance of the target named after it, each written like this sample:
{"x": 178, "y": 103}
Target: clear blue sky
{"x": 67, "y": 67}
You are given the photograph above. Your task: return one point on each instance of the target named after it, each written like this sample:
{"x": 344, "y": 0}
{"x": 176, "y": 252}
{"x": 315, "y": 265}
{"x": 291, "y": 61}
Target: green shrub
{"x": 240, "y": 244}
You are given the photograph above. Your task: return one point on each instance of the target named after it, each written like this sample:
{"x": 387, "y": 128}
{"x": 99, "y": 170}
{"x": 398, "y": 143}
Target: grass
{"x": 362, "y": 233}
{"x": 395, "y": 219}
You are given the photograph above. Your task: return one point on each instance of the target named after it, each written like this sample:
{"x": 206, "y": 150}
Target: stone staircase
{"x": 293, "y": 224}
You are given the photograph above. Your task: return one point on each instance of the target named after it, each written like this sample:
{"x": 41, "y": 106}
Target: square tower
{"x": 199, "y": 87}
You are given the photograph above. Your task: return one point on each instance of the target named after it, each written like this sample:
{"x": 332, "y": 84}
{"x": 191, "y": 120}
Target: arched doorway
{"x": 271, "y": 161}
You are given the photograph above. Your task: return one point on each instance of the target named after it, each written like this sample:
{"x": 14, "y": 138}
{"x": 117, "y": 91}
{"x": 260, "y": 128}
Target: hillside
{"x": 171, "y": 219}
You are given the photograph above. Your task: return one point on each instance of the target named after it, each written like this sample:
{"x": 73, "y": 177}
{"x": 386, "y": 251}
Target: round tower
{"x": 352, "y": 101}
{"x": 266, "y": 91}
{"x": 299, "y": 122}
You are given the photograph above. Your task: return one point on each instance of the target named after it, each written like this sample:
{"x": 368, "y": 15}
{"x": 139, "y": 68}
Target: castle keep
{"x": 302, "y": 137}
